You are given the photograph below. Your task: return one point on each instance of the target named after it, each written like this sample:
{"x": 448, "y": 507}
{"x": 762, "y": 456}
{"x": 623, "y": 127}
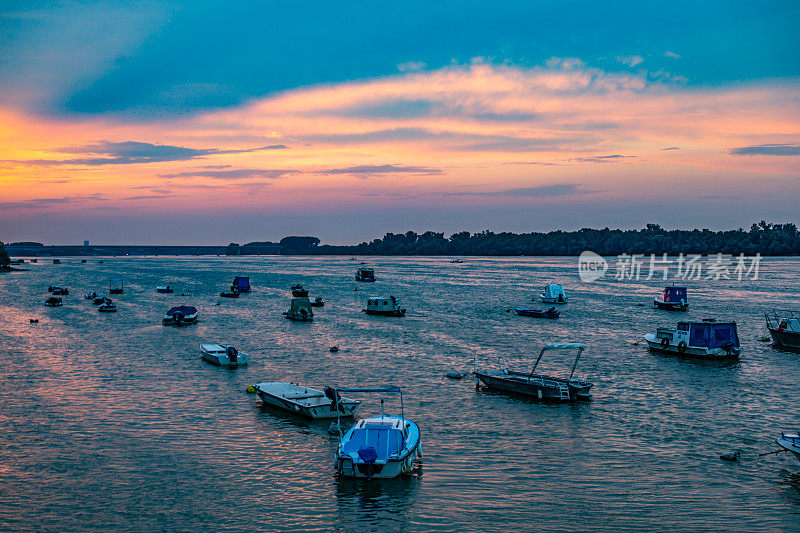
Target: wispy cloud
{"x": 43, "y": 203}
{"x": 670, "y": 148}
{"x": 768, "y": 149}
{"x": 602, "y": 158}
{"x": 672, "y": 55}
{"x": 631, "y": 61}
{"x": 538, "y": 191}
{"x": 373, "y": 170}
{"x": 235, "y": 174}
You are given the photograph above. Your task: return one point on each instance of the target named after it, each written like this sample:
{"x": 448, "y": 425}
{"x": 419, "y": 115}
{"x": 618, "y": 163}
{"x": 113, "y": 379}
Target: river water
{"x": 112, "y": 421}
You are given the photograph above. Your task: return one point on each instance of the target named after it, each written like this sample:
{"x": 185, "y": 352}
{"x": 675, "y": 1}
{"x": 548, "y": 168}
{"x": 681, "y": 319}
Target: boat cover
{"x": 185, "y": 309}
{"x": 385, "y": 439}
{"x": 554, "y": 291}
{"x": 241, "y": 283}
{"x": 711, "y": 335}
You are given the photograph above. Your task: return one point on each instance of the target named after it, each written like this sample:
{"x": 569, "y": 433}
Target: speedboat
{"x": 790, "y": 441}
{"x": 116, "y": 286}
{"x": 384, "y": 307}
{"x": 107, "y": 307}
{"x": 164, "y": 289}
{"x": 384, "y": 446}
{"x": 536, "y": 313}
{"x": 241, "y": 284}
{"x": 306, "y": 401}
{"x": 223, "y": 355}
{"x": 553, "y": 294}
{"x": 784, "y": 328}
{"x": 180, "y": 316}
{"x": 365, "y": 274}
{"x": 300, "y": 310}
{"x": 53, "y": 302}
{"x": 708, "y": 339}
{"x": 318, "y": 302}
{"x": 535, "y": 385}
{"x": 672, "y": 299}
{"x": 229, "y": 294}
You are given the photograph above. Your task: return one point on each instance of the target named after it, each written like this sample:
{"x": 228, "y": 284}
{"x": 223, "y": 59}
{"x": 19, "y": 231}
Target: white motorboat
{"x": 708, "y": 339}
{"x": 164, "y": 289}
{"x": 223, "y": 355}
{"x": 553, "y": 294}
{"x": 384, "y": 307}
{"x": 784, "y": 328}
{"x": 790, "y": 441}
{"x": 107, "y": 307}
{"x": 384, "y": 446}
{"x": 305, "y": 401}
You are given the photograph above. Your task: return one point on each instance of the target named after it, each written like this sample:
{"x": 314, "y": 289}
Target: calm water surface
{"x": 114, "y": 422}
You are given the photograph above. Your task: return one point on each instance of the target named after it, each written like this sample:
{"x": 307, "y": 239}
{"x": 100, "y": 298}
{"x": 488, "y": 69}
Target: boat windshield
{"x": 385, "y": 439}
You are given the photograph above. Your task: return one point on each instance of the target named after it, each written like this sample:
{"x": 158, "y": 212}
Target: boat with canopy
{"x": 708, "y": 339}
{"x": 538, "y": 386}
{"x": 553, "y": 294}
{"x": 672, "y": 299}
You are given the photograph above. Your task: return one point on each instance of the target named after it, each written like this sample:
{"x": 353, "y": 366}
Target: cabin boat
{"x": 382, "y": 447}
{"x": 553, "y": 294}
{"x": 241, "y": 284}
{"x": 116, "y": 286}
{"x": 229, "y": 294}
{"x": 538, "y": 386}
{"x": 90, "y": 296}
{"x": 672, "y": 299}
{"x": 300, "y": 310}
{"x": 790, "y": 441}
{"x": 784, "y": 328}
{"x": 164, "y": 289}
{"x": 223, "y": 355}
{"x": 384, "y": 307}
{"x": 708, "y": 339}
{"x": 536, "y": 313}
{"x": 305, "y": 401}
{"x": 54, "y": 302}
{"x": 365, "y": 274}
{"x": 107, "y": 307}
{"x": 181, "y": 315}
{"x": 59, "y": 291}
{"x": 318, "y": 302}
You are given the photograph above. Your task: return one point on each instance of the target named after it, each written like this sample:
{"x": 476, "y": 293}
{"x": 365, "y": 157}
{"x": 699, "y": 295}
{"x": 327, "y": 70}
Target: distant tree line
{"x": 763, "y": 238}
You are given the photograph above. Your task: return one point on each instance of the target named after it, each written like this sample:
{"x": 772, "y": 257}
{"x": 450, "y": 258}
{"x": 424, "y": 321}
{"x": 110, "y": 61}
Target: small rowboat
{"x": 223, "y": 355}
{"x": 536, "y": 313}
{"x": 305, "y": 401}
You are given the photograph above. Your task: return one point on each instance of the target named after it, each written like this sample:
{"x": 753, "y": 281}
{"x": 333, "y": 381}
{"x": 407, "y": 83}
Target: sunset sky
{"x": 211, "y": 122}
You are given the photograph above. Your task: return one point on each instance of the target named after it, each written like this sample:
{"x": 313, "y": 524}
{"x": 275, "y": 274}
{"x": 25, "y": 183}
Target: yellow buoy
{"x": 250, "y": 389}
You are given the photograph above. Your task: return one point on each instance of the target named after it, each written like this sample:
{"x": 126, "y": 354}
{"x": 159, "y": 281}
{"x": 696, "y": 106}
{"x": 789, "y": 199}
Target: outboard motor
{"x": 233, "y": 355}
{"x": 177, "y": 316}
{"x": 333, "y": 395}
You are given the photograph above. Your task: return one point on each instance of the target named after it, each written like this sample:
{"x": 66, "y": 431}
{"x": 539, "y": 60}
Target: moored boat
{"x": 365, "y": 274}
{"x": 223, "y": 355}
{"x": 305, "y": 401}
{"x": 107, "y": 307}
{"x": 300, "y": 310}
{"x": 784, "y": 328}
{"x": 116, "y": 286}
{"x": 672, "y": 299}
{"x": 241, "y": 284}
{"x": 318, "y": 302}
{"x": 708, "y": 339}
{"x": 180, "y": 315}
{"x": 537, "y": 313}
{"x": 97, "y": 300}
{"x": 384, "y": 446}
{"x": 553, "y": 294}
{"x": 790, "y": 441}
{"x": 164, "y": 289}
{"x": 54, "y": 302}
{"x": 59, "y": 291}
{"x": 90, "y": 296}
{"x": 384, "y": 307}
{"x": 539, "y": 386}
{"x": 229, "y": 294}
{"x": 298, "y": 291}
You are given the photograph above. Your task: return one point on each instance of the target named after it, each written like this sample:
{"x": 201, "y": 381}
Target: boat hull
{"x": 670, "y": 306}
{"x": 533, "y": 313}
{"x": 187, "y": 321}
{"x": 552, "y": 300}
{"x": 788, "y": 340}
{"x": 655, "y": 344}
{"x": 396, "y": 312}
{"x": 789, "y": 445}
{"x": 538, "y": 388}
{"x": 223, "y": 360}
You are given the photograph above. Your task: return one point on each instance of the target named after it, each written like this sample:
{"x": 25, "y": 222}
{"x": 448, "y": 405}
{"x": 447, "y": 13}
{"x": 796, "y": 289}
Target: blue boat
{"x": 536, "y": 313}
{"x": 672, "y": 299}
{"x": 241, "y": 284}
{"x": 384, "y": 446}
